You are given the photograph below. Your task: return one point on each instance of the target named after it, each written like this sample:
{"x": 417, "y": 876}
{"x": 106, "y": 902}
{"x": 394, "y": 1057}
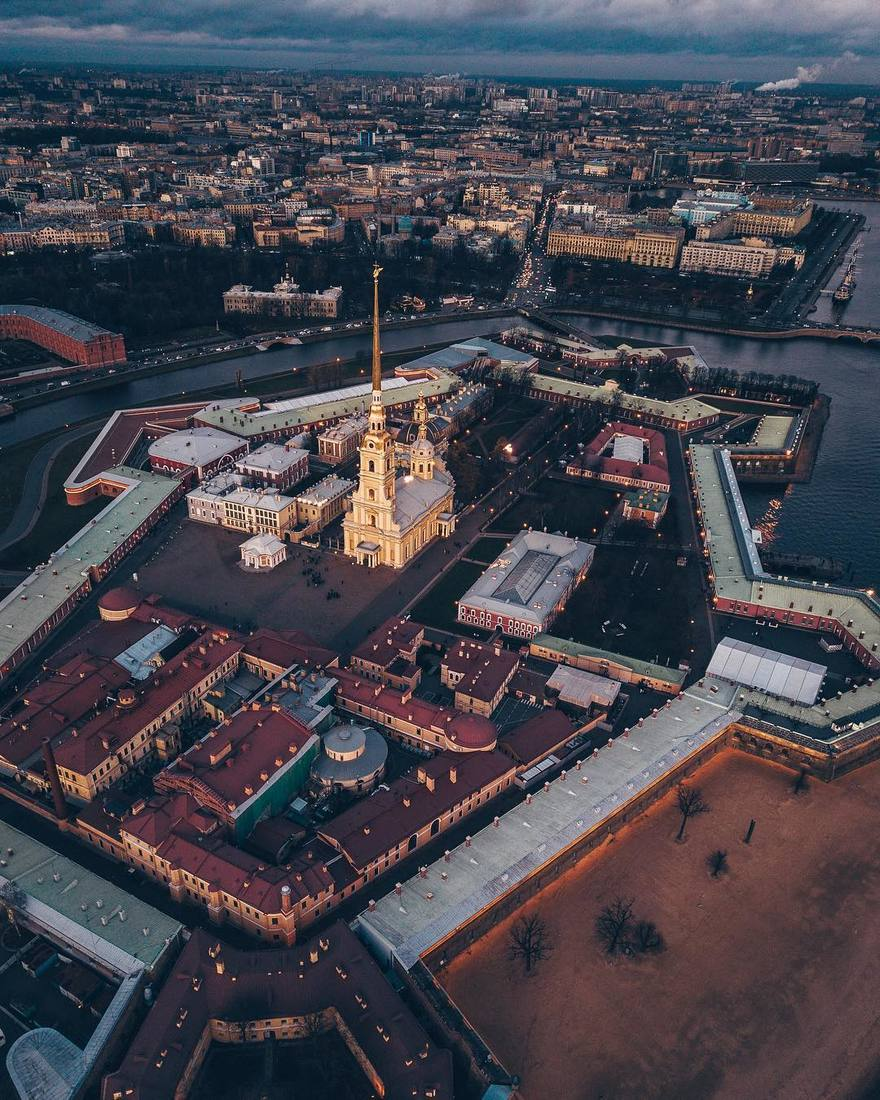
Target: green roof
{"x": 45, "y": 590}
{"x": 578, "y": 649}
{"x": 73, "y": 903}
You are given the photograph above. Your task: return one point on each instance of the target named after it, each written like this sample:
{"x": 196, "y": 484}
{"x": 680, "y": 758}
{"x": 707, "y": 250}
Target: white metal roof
{"x": 775, "y": 673}
{"x": 196, "y": 446}
{"x": 629, "y": 448}
{"x": 529, "y": 836}
{"x": 529, "y": 576}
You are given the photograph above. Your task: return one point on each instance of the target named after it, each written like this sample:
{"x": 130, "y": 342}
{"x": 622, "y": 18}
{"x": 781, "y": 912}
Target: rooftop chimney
{"x": 58, "y": 802}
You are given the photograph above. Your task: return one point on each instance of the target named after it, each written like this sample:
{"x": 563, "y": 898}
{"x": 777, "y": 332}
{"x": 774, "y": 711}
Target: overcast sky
{"x": 724, "y": 39}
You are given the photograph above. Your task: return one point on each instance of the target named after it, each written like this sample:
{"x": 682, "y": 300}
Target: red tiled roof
{"x": 390, "y": 639}
{"x": 656, "y": 469}
{"x": 476, "y": 733}
{"x": 119, "y": 599}
{"x": 484, "y": 669}
{"x": 64, "y": 696}
{"x": 388, "y": 817}
{"x": 538, "y": 737}
{"x": 191, "y": 839}
{"x": 284, "y": 648}
{"x": 84, "y": 748}
{"x": 287, "y": 983}
{"x": 236, "y": 758}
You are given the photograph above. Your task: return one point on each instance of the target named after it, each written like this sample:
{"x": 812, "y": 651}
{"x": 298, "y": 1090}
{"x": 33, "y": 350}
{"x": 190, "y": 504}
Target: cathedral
{"x": 393, "y": 517}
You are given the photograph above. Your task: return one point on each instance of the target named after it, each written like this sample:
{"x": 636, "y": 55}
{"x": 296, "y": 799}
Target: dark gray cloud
{"x": 751, "y": 39}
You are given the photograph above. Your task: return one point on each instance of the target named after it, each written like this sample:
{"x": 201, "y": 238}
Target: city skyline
{"x": 579, "y": 39}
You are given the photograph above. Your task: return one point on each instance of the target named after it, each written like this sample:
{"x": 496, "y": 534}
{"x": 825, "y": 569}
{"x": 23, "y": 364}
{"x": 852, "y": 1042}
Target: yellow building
{"x": 393, "y": 517}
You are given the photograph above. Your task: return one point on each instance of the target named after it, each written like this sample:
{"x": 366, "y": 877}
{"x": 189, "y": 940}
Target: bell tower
{"x": 373, "y": 502}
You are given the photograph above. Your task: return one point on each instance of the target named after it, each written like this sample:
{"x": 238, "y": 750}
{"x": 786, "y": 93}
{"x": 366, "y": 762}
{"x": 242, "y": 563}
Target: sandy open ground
{"x": 770, "y": 983}
{"x": 198, "y": 569}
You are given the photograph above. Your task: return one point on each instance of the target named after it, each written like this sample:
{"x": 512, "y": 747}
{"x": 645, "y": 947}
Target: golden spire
{"x": 421, "y": 417}
{"x": 377, "y": 352}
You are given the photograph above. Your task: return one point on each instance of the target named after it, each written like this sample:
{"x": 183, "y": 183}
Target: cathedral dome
{"x": 433, "y": 429}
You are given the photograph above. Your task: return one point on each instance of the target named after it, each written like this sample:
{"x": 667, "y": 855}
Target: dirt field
{"x": 197, "y": 569}
{"x": 769, "y": 983}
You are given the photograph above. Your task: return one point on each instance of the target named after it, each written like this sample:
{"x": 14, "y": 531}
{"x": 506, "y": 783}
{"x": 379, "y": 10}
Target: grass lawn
{"x": 506, "y": 420}
{"x": 58, "y": 520}
{"x": 486, "y": 549}
{"x": 579, "y": 509}
{"x": 645, "y": 598}
{"x": 16, "y": 461}
{"x": 437, "y": 608}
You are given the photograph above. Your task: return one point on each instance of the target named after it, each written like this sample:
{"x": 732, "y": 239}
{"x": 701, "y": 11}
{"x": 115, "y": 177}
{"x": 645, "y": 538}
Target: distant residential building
{"x": 286, "y": 299}
{"x": 99, "y": 235}
{"x": 649, "y": 247}
{"x": 772, "y": 220}
{"x": 208, "y": 235}
{"x": 310, "y": 227}
{"x": 747, "y": 258}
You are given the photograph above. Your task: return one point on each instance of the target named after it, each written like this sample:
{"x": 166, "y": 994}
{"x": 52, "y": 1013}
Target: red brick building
{"x": 63, "y": 335}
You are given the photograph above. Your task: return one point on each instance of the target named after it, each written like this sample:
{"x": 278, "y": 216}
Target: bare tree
{"x": 717, "y": 862}
{"x": 690, "y": 804}
{"x": 13, "y": 899}
{"x": 647, "y": 938}
{"x": 530, "y": 941}
{"x": 613, "y": 924}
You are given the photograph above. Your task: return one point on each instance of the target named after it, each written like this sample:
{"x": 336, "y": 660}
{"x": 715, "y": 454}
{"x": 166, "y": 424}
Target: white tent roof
{"x": 776, "y": 673}
{"x": 629, "y": 448}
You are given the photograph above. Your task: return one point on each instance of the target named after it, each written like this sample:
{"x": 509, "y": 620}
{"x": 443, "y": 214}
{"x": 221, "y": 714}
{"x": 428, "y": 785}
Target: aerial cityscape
{"x": 439, "y": 514}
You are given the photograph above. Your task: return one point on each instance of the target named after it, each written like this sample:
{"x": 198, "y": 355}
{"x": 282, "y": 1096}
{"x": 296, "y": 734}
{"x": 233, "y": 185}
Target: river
{"x": 200, "y": 377}
{"x": 864, "y": 306}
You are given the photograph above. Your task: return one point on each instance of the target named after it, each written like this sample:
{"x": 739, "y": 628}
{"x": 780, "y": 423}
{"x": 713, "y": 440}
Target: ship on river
{"x": 848, "y": 283}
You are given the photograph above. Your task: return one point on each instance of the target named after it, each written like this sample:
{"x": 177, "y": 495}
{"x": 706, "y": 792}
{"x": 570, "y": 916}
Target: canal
{"x": 199, "y": 377}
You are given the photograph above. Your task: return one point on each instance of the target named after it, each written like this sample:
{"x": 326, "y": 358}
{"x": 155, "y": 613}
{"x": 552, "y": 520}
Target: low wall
{"x": 604, "y": 832}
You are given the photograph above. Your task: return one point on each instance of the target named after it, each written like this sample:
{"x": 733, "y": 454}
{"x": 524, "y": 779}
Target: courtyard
{"x": 767, "y": 985}
{"x": 639, "y": 603}
{"x": 579, "y": 509}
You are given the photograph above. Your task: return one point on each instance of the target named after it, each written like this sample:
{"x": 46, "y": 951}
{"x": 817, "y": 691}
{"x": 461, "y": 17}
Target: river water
{"x": 200, "y": 377}
{"x": 864, "y": 306}
{"x": 836, "y": 514}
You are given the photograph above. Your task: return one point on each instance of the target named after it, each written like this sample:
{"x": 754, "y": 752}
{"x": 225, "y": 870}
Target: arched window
{"x": 372, "y": 520}
{"x": 371, "y": 466}
{"x": 372, "y": 494}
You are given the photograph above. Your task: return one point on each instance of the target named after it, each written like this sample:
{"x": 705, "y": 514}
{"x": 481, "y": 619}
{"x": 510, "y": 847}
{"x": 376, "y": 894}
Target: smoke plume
{"x": 806, "y": 74}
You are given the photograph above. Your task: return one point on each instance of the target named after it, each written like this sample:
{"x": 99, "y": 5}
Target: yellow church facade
{"x": 393, "y": 517}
